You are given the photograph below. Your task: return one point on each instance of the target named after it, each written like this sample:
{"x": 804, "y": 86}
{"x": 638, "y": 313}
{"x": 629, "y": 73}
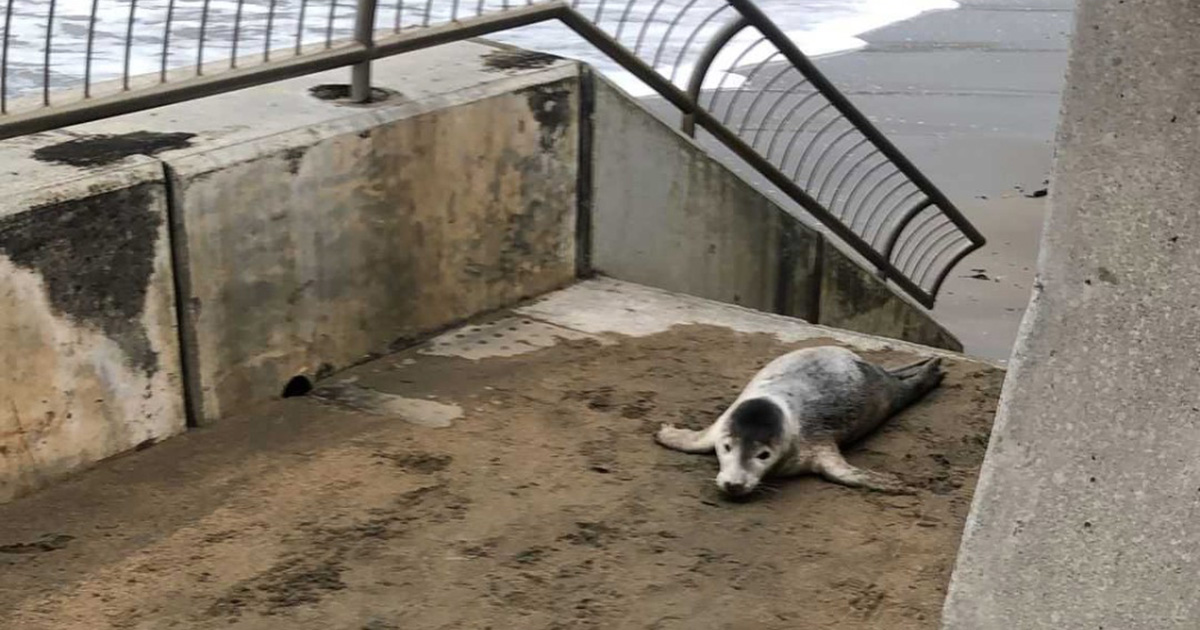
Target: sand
{"x": 546, "y": 505}
{"x": 971, "y": 96}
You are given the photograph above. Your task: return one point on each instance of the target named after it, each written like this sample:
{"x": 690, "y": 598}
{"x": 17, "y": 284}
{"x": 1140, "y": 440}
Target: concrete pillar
{"x": 1087, "y": 513}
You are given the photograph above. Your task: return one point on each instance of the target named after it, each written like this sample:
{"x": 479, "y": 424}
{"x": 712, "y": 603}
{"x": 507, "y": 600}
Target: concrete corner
{"x": 90, "y": 353}
{"x": 669, "y": 215}
{"x": 310, "y": 250}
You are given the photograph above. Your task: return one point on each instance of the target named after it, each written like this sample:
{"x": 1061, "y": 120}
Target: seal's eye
{"x": 764, "y": 455}
{"x": 728, "y": 447}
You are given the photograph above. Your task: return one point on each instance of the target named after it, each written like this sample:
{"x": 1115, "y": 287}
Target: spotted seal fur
{"x": 796, "y": 414}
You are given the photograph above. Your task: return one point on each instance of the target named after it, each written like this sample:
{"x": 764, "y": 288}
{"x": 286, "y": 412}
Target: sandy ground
{"x": 545, "y": 506}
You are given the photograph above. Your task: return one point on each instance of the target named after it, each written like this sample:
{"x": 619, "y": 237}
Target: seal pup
{"x": 796, "y": 414}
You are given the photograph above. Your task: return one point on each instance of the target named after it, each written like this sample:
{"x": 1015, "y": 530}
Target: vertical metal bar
{"x": 329, "y": 24}
{"x": 8, "y": 11}
{"x": 49, "y": 47}
{"x": 200, "y": 43}
{"x": 166, "y": 48}
{"x": 429, "y": 12}
{"x": 624, "y": 19}
{"x": 953, "y": 262}
{"x": 454, "y": 11}
{"x": 364, "y": 34}
{"x": 399, "y": 15}
{"x": 87, "y": 56}
{"x": 128, "y": 45}
{"x": 707, "y": 56}
{"x": 637, "y": 46}
{"x": 300, "y": 27}
{"x": 270, "y": 30}
{"x": 237, "y": 34}
{"x": 687, "y": 44}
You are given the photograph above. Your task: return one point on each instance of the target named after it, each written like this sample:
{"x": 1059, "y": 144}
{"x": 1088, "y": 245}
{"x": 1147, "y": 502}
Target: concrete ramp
{"x": 1086, "y": 512}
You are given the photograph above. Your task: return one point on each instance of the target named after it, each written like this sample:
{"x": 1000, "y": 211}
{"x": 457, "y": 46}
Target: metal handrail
{"x": 912, "y": 227}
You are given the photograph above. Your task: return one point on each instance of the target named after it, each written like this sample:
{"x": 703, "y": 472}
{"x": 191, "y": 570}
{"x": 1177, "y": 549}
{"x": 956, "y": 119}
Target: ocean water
{"x": 819, "y": 27}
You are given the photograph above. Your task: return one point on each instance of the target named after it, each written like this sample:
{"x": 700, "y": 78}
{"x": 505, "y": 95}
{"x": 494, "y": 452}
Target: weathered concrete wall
{"x": 88, "y": 344}
{"x": 668, "y": 215}
{"x": 312, "y": 249}
{"x": 855, "y": 299}
{"x": 1085, "y": 513}
{"x": 303, "y": 234}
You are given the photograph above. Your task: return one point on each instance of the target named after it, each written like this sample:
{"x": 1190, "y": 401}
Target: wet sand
{"x": 971, "y": 96}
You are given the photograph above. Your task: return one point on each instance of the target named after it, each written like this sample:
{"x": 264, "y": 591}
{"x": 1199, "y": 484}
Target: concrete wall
{"x": 302, "y": 235}
{"x": 1085, "y": 515}
{"x": 310, "y": 250}
{"x": 88, "y": 345}
{"x": 668, "y": 215}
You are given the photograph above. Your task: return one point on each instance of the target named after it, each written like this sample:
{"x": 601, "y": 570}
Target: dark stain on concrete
{"x": 330, "y": 91}
{"x": 518, "y": 60}
{"x": 339, "y": 94}
{"x": 294, "y": 157}
{"x": 99, "y": 150}
{"x": 551, "y": 107}
{"x": 96, "y": 258}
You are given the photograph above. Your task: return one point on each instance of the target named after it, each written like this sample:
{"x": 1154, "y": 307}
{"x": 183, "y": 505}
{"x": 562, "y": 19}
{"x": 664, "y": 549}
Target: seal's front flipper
{"x": 829, "y": 463}
{"x": 687, "y": 440}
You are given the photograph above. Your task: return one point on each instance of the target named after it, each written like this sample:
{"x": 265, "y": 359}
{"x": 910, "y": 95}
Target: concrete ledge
{"x": 668, "y": 215}
{"x": 88, "y": 343}
{"x": 309, "y": 250}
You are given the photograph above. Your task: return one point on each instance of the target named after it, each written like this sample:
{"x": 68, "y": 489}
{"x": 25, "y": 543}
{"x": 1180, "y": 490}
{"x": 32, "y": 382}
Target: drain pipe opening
{"x": 300, "y": 385}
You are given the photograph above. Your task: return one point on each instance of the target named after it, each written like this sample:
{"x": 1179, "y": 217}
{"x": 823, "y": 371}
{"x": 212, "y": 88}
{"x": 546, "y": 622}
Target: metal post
{"x": 364, "y": 34}
{"x": 707, "y": 57}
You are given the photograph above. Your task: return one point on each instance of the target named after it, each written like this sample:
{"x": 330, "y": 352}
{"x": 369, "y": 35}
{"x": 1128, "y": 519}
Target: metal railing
{"x": 723, "y": 64}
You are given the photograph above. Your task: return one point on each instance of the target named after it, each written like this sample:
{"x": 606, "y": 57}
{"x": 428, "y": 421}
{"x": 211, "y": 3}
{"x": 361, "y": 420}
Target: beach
{"x": 971, "y": 96}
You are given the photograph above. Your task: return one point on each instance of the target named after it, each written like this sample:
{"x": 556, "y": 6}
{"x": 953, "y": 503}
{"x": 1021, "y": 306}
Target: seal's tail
{"x": 916, "y": 380}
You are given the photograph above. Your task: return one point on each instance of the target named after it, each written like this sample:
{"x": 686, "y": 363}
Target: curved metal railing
{"x": 724, "y": 64}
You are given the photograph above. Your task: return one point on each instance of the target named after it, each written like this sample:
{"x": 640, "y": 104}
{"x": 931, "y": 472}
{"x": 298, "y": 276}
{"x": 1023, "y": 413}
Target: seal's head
{"x": 751, "y": 447}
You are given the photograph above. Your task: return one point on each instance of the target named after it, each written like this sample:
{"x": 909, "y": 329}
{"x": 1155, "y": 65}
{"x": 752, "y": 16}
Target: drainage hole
{"x": 298, "y": 386}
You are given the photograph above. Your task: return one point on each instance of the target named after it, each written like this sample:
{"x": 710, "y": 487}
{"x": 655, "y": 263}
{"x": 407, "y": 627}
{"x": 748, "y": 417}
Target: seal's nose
{"x": 735, "y": 489}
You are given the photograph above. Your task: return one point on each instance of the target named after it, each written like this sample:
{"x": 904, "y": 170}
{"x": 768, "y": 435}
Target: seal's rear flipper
{"x": 914, "y": 369}
{"x": 919, "y": 380}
